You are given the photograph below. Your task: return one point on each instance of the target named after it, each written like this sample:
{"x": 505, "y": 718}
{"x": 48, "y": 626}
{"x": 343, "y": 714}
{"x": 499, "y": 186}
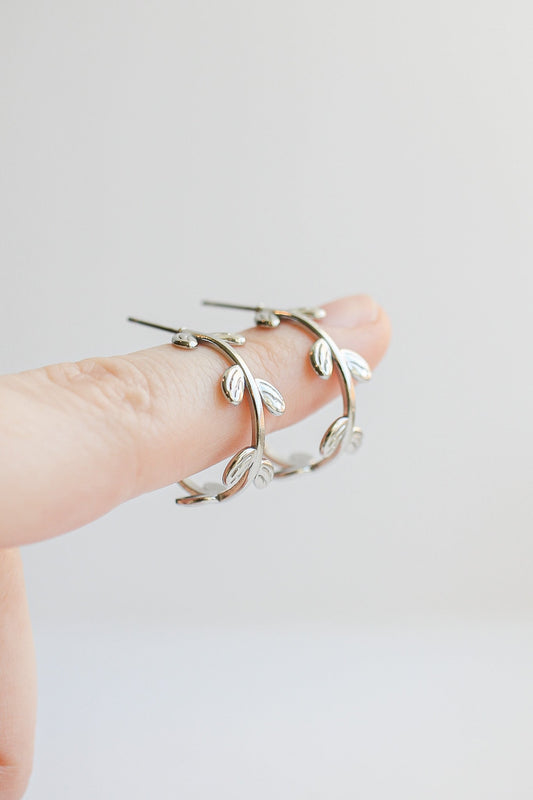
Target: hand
{"x": 79, "y": 438}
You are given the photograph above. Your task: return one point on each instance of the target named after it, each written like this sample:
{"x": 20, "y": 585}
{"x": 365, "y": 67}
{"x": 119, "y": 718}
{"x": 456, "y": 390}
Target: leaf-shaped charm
{"x": 321, "y": 358}
{"x": 233, "y": 384}
{"x": 265, "y": 474}
{"x": 312, "y": 311}
{"x": 232, "y": 338}
{"x": 267, "y": 319}
{"x": 333, "y": 436}
{"x": 238, "y": 466}
{"x": 357, "y": 365}
{"x": 271, "y": 397}
{"x": 356, "y": 440}
{"x": 184, "y": 339}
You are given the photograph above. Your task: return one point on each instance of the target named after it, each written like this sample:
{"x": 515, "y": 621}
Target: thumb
{"x": 94, "y": 433}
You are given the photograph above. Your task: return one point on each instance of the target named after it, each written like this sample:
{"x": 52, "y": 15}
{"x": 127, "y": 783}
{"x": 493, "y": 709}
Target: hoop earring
{"x": 325, "y": 357}
{"x": 250, "y": 463}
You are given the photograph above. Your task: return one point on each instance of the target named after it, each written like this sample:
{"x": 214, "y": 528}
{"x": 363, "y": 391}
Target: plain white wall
{"x": 157, "y": 153}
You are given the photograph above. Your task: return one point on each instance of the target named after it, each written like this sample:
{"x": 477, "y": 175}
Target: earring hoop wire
{"x": 249, "y": 464}
{"x": 325, "y": 357}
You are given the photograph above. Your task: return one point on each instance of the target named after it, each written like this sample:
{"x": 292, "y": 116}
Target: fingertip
{"x": 352, "y": 311}
{"x": 370, "y": 340}
{"x": 383, "y": 331}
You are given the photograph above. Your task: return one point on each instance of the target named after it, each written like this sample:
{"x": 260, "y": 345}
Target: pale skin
{"x": 79, "y": 438}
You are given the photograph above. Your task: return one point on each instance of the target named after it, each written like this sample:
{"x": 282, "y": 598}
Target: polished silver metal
{"x": 325, "y": 358}
{"x": 250, "y": 463}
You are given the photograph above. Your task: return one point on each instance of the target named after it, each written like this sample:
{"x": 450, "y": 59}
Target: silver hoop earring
{"x": 325, "y": 358}
{"x": 250, "y": 463}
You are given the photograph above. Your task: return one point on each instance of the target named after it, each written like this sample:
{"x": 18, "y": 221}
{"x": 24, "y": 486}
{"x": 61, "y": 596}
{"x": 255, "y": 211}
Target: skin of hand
{"x": 97, "y": 432}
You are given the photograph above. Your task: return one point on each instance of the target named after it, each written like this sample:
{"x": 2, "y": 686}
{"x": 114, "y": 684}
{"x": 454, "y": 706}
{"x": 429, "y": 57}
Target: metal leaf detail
{"x": 267, "y": 319}
{"x": 357, "y": 365}
{"x": 232, "y": 338}
{"x": 356, "y": 440}
{"x": 271, "y": 397}
{"x": 333, "y": 436}
{"x": 265, "y": 474}
{"x": 312, "y": 311}
{"x": 233, "y": 384}
{"x": 184, "y": 339}
{"x": 238, "y": 466}
{"x": 321, "y": 358}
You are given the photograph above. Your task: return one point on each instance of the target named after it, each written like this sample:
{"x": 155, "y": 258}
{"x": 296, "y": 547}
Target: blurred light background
{"x": 367, "y": 631}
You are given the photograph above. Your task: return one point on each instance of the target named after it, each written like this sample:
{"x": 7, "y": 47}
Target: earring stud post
{"x": 231, "y": 305}
{"x": 152, "y": 325}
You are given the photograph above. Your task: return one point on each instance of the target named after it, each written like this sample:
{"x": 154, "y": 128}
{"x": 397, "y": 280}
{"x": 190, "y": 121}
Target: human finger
{"x": 18, "y": 694}
{"x": 79, "y": 438}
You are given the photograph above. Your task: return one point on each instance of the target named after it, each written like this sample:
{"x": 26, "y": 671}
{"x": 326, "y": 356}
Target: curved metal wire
{"x": 342, "y": 434}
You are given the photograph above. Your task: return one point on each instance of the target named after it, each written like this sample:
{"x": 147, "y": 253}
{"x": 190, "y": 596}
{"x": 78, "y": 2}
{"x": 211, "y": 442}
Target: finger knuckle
{"x": 107, "y": 382}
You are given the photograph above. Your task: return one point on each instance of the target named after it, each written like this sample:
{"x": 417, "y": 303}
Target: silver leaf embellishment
{"x": 321, "y": 358}
{"x": 357, "y": 365}
{"x": 356, "y": 440}
{"x": 312, "y": 311}
{"x": 271, "y": 397}
{"x": 238, "y": 466}
{"x": 184, "y": 339}
{"x": 333, "y": 436}
{"x": 233, "y": 384}
{"x": 267, "y": 318}
{"x": 232, "y": 338}
{"x": 265, "y": 474}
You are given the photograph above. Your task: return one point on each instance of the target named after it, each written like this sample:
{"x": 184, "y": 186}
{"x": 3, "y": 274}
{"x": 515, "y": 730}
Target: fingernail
{"x": 352, "y": 312}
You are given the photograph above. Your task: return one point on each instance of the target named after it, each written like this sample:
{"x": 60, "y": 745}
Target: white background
{"x": 367, "y": 631}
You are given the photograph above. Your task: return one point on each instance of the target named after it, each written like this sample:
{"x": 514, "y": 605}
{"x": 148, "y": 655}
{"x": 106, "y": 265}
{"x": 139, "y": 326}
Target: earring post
{"x": 153, "y": 325}
{"x": 231, "y": 305}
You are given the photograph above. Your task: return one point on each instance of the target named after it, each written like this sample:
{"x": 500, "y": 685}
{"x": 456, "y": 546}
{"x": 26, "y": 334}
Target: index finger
{"x": 79, "y": 438}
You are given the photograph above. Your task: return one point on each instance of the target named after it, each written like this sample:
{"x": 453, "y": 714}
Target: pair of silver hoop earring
{"x": 255, "y": 463}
